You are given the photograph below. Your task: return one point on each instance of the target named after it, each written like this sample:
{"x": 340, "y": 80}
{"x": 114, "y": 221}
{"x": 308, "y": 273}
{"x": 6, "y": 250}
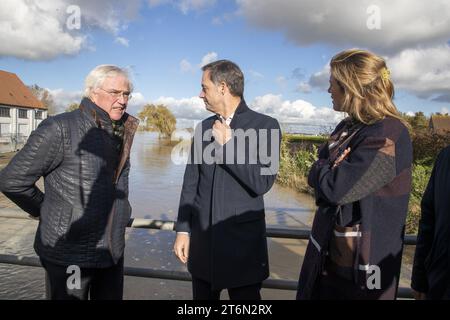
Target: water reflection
{"x": 155, "y": 181}
{"x": 155, "y": 186}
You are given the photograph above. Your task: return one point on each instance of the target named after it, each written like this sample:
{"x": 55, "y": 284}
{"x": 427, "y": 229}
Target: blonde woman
{"x": 362, "y": 182}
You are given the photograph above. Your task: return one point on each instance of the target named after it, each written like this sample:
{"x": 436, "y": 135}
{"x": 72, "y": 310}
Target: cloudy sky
{"x": 283, "y": 47}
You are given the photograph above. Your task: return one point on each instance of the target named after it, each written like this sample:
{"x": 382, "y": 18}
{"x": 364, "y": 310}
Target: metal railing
{"x": 281, "y": 284}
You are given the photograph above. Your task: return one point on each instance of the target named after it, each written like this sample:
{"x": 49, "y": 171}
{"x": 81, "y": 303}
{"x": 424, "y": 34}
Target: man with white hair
{"x": 83, "y": 156}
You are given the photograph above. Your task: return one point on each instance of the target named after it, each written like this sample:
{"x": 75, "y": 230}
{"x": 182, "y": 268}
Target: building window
{"x": 23, "y": 114}
{"x": 4, "y": 112}
{"x": 23, "y": 130}
{"x": 5, "y": 129}
{"x": 38, "y": 115}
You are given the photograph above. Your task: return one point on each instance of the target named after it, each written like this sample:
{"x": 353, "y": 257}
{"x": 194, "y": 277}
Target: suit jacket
{"x": 431, "y": 273}
{"x": 222, "y": 205}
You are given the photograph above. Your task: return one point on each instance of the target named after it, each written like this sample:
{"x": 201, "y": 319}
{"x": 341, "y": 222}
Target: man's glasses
{"x": 118, "y": 94}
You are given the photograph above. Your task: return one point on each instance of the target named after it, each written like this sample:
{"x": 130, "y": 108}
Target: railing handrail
{"x": 272, "y": 232}
{"x": 282, "y": 284}
{"x": 34, "y": 261}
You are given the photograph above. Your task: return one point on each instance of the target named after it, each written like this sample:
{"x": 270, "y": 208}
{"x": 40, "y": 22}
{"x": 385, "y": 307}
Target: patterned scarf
{"x": 118, "y": 131}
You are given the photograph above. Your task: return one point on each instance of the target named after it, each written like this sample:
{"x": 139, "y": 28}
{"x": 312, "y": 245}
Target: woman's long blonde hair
{"x": 367, "y": 86}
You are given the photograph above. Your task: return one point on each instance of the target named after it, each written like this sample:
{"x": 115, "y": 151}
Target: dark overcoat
{"x": 356, "y": 244}
{"x": 432, "y": 257}
{"x": 222, "y": 205}
{"x": 84, "y": 210}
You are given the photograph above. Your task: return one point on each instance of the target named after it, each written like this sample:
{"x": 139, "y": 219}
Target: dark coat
{"x": 431, "y": 268}
{"x": 357, "y": 234}
{"x": 84, "y": 210}
{"x": 222, "y": 206}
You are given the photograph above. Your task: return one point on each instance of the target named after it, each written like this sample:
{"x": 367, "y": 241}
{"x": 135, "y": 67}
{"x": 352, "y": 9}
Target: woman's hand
{"x": 341, "y": 157}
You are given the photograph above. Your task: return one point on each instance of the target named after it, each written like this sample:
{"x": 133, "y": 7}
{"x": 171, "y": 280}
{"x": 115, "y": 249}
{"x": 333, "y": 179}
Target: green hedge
{"x": 292, "y": 138}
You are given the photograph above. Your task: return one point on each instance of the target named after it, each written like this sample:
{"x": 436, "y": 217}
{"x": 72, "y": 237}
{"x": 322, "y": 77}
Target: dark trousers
{"x": 201, "y": 290}
{"x": 64, "y": 283}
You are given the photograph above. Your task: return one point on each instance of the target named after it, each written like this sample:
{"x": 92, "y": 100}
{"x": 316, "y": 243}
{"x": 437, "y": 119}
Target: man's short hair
{"x": 228, "y": 72}
{"x": 97, "y": 76}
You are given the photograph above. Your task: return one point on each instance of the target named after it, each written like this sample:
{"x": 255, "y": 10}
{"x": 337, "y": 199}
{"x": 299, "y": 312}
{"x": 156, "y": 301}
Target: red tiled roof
{"x": 13, "y": 92}
{"x": 440, "y": 123}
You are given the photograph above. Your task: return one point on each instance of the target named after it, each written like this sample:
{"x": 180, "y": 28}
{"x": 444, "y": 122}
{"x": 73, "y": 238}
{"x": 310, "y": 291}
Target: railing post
{"x": 47, "y": 286}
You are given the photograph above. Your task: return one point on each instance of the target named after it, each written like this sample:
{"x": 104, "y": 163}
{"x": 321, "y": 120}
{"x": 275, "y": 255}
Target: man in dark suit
{"x": 431, "y": 273}
{"x": 221, "y": 231}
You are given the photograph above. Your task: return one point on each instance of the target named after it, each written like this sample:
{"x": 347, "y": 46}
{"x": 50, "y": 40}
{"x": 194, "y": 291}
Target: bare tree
{"x": 45, "y": 97}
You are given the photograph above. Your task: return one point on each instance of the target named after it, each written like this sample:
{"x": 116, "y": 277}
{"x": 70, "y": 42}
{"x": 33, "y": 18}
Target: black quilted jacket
{"x": 84, "y": 210}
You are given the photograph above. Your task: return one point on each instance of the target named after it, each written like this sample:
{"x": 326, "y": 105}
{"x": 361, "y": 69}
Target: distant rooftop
{"x": 13, "y": 92}
{"x": 440, "y": 123}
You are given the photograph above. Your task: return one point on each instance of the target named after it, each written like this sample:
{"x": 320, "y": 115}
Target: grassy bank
{"x": 298, "y": 153}
{"x": 420, "y": 176}
{"x": 295, "y": 164}
{"x": 298, "y": 138}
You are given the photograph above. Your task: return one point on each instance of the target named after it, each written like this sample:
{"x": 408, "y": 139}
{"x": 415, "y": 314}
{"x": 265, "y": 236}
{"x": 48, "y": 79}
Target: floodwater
{"x": 155, "y": 185}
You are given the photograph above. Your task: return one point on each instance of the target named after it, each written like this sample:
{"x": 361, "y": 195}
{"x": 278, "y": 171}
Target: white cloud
{"x": 224, "y": 18}
{"x": 442, "y": 98}
{"x": 321, "y": 79}
{"x": 282, "y": 82}
{"x": 31, "y": 32}
{"x": 122, "y": 41}
{"x": 298, "y": 73}
{"x": 298, "y": 111}
{"x": 63, "y": 98}
{"x": 39, "y": 30}
{"x": 217, "y": 21}
{"x": 109, "y": 15}
{"x": 423, "y": 72}
{"x": 410, "y": 113}
{"x": 186, "y": 66}
{"x": 256, "y": 75}
{"x": 304, "y": 87}
{"x": 208, "y": 58}
{"x": 413, "y": 35}
{"x": 185, "y": 108}
{"x": 445, "y": 111}
{"x": 185, "y": 5}
{"x": 404, "y": 23}
{"x": 154, "y": 3}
